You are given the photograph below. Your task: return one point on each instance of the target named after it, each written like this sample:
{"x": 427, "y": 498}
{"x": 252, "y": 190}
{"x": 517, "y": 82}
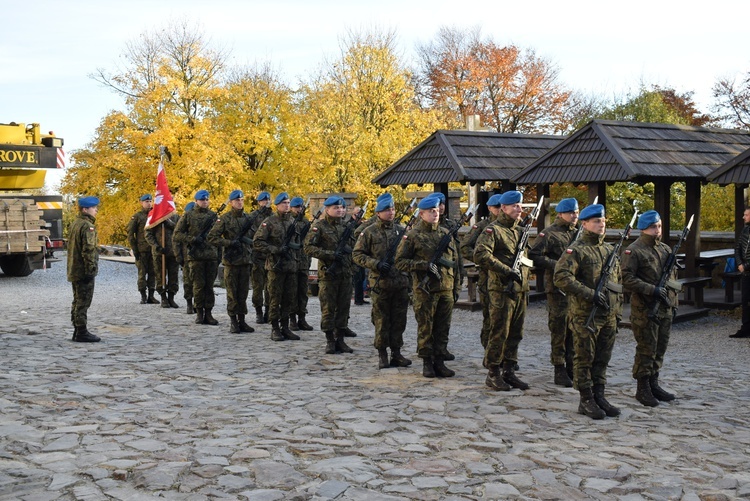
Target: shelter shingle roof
{"x": 735, "y": 171}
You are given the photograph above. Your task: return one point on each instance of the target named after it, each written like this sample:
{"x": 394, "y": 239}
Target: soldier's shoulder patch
{"x": 489, "y": 230}
{"x": 315, "y": 228}
{"x": 91, "y": 228}
{"x": 627, "y": 251}
{"x": 569, "y": 251}
{"x": 541, "y": 234}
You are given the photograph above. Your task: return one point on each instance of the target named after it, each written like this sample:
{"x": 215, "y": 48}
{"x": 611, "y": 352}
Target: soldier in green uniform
{"x": 83, "y": 265}
{"x": 281, "y": 266}
{"x": 163, "y": 252}
{"x": 193, "y": 229}
{"x": 142, "y": 250}
{"x": 388, "y": 286}
{"x": 433, "y": 300}
{"x": 230, "y": 232}
{"x": 258, "y": 273}
{"x": 181, "y": 252}
{"x": 642, "y": 266}
{"x": 322, "y": 242}
{"x": 547, "y": 249}
{"x": 495, "y": 250}
{"x": 577, "y": 273}
{"x": 449, "y": 224}
{"x": 297, "y": 320}
{"x": 467, "y": 252}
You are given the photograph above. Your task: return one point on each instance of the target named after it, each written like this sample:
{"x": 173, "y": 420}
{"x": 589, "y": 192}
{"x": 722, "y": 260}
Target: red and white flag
{"x": 163, "y": 202}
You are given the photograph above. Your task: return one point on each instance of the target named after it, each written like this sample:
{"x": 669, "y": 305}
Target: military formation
{"x": 419, "y": 263}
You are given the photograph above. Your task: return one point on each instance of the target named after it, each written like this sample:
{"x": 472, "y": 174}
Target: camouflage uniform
{"x": 433, "y": 310}
{"x": 467, "y": 252}
{"x": 83, "y": 266}
{"x": 180, "y": 249}
{"x": 144, "y": 261}
{"x": 495, "y": 250}
{"x": 303, "y": 271}
{"x": 642, "y": 266}
{"x": 202, "y": 255}
{"x": 547, "y": 249}
{"x": 154, "y": 238}
{"x": 390, "y": 297}
{"x": 258, "y": 273}
{"x": 236, "y": 258}
{"x": 576, "y": 273}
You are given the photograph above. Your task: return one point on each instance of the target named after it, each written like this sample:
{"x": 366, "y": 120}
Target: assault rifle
{"x": 609, "y": 265}
{"x": 343, "y": 245}
{"x": 390, "y": 254}
{"x": 303, "y": 232}
{"x": 200, "y": 240}
{"x": 669, "y": 266}
{"x": 290, "y": 233}
{"x": 519, "y": 259}
{"x": 437, "y": 258}
{"x": 580, "y": 227}
{"x": 236, "y": 245}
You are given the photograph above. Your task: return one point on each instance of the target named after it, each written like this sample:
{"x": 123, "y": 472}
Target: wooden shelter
{"x": 736, "y": 172}
{"x": 606, "y": 151}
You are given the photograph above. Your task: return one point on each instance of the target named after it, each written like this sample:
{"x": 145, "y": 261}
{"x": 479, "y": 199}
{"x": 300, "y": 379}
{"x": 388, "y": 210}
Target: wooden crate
{"x": 22, "y": 228}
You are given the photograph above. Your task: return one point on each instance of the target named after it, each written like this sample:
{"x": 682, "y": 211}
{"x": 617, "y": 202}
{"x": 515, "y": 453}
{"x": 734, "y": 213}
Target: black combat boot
{"x": 243, "y": 325}
{"x": 75, "y": 333}
{"x": 287, "y": 332}
{"x": 200, "y": 316}
{"x": 151, "y": 298}
{"x": 347, "y": 332}
{"x": 276, "y": 334}
{"x": 144, "y": 299}
{"x": 495, "y": 380}
{"x": 302, "y": 323}
{"x": 643, "y": 393}
{"x": 398, "y": 360}
{"x": 440, "y": 369}
{"x": 234, "y": 325}
{"x": 588, "y": 406}
{"x": 208, "y": 319}
{"x": 428, "y": 369}
{"x": 164, "y": 300}
{"x": 330, "y": 343}
{"x": 341, "y": 346}
{"x": 259, "y": 316}
{"x": 609, "y": 409}
{"x": 170, "y": 299}
{"x": 561, "y": 377}
{"x": 84, "y": 336}
{"x": 190, "y": 310}
{"x": 509, "y": 375}
{"x": 659, "y": 392}
{"x": 448, "y": 356}
{"x": 383, "y": 358}
{"x": 293, "y": 322}
{"x": 265, "y": 315}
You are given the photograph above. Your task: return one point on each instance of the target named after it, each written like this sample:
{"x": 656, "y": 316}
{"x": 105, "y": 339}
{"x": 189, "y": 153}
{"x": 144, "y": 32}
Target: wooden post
{"x": 693, "y": 244}
{"x": 662, "y": 206}
{"x": 739, "y": 208}
{"x": 598, "y": 190}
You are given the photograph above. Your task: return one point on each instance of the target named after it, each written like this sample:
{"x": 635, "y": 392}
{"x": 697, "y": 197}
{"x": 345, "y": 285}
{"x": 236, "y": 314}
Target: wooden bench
{"x": 730, "y": 279}
{"x": 694, "y": 289}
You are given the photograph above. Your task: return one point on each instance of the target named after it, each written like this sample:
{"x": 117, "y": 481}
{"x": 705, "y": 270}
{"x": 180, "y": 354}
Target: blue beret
{"x": 201, "y": 195}
{"x": 334, "y": 200}
{"x": 511, "y": 197}
{"x": 297, "y": 202}
{"x": 263, "y": 195}
{"x": 567, "y": 205}
{"x": 281, "y": 197}
{"x": 429, "y": 202}
{"x": 494, "y": 200}
{"x": 385, "y": 201}
{"x": 596, "y": 210}
{"x": 145, "y": 197}
{"x": 86, "y": 202}
{"x": 189, "y": 206}
{"x": 439, "y": 196}
{"x": 236, "y": 194}
{"x": 647, "y": 219}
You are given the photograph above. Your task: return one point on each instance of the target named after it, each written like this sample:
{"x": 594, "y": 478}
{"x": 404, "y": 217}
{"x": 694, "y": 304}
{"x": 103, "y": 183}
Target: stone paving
{"x": 165, "y": 408}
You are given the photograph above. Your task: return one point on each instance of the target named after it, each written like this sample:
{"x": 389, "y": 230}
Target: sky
{"x": 50, "y": 49}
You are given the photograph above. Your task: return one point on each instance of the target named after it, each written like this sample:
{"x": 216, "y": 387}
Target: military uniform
{"x": 180, "y": 249}
{"x": 547, "y": 249}
{"x": 467, "y": 252}
{"x": 297, "y": 320}
{"x": 227, "y": 233}
{"x": 165, "y": 248}
{"x": 203, "y": 258}
{"x": 261, "y": 297}
{"x": 83, "y": 266}
{"x": 388, "y": 289}
{"x": 495, "y": 250}
{"x": 143, "y": 258}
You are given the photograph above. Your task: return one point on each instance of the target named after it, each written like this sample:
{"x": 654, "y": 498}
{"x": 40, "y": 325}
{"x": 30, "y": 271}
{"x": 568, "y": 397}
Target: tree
{"x": 733, "y": 101}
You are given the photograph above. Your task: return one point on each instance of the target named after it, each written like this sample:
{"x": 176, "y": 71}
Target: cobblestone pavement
{"x": 166, "y": 408}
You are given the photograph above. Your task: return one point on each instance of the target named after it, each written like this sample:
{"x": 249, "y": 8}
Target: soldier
{"x": 142, "y": 250}
{"x": 322, "y": 242}
{"x": 435, "y": 285}
{"x": 742, "y": 258}
{"x": 577, "y": 273}
{"x": 281, "y": 265}
{"x": 467, "y": 252}
{"x": 83, "y": 265}
{"x": 231, "y": 232}
{"x": 261, "y": 297}
{"x": 449, "y": 224}
{"x": 548, "y": 247}
{"x": 193, "y": 229}
{"x": 495, "y": 250}
{"x": 359, "y": 274}
{"x": 162, "y": 250}
{"x": 297, "y": 316}
{"x": 181, "y": 252}
{"x": 642, "y": 267}
{"x": 388, "y": 286}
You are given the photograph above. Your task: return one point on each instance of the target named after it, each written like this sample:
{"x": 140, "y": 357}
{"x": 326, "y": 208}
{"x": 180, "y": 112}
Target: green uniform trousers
{"x": 592, "y": 350}
{"x": 335, "y": 296}
{"x": 652, "y": 339}
{"x": 83, "y": 293}
{"x": 300, "y": 297}
{"x": 146, "y": 272}
{"x": 258, "y": 275}
{"x": 507, "y": 313}
{"x": 204, "y": 275}
{"x": 237, "y": 284}
{"x": 388, "y": 315}
{"x": 172, "y": 274}
{"x": 561, "y": 337}
{"x": 433, "y": 313}
{"x": 282, "y": 286}
{"x": 187, "y": 280}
